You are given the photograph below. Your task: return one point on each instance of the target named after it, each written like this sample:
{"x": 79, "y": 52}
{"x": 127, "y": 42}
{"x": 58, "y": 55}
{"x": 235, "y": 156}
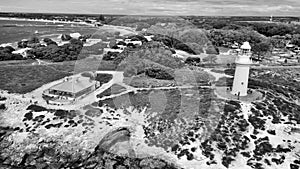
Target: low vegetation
{"x": 25, "y": 78}
{"x": 66, "y": 52}
{"x": 6, "y": 54}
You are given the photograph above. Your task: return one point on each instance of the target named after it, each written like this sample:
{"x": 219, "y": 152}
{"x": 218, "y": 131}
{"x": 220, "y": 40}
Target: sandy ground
{"x": 122, "y": 29}
{"x": 184, "y": 55}
{"x": 216, "y": 75}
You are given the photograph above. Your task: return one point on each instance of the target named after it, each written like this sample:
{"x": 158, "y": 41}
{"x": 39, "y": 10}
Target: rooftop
{"x": 74, "y": 85}
{"x": 246, "y": 45}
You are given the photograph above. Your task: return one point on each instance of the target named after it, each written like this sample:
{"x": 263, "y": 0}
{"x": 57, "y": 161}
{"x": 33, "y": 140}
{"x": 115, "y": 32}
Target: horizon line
{"x": 71, "y": 13}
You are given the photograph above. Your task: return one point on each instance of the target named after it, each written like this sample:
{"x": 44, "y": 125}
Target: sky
{"x": 157, "y": 7}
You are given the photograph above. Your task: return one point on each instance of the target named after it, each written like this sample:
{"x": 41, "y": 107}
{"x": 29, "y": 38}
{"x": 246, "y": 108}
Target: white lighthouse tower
{"x": 243, "y": 63}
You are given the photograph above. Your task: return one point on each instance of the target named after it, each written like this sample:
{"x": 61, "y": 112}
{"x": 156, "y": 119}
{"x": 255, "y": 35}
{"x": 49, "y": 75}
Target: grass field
{"x": 13, "y": 31}
{"x": 23, "y": 77}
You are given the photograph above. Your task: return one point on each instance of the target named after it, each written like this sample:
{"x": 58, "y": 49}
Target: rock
{"x": 253, "y": 136}
{"x": 278, "y": 161}
{"x": 257, "y": 122}
{"x": 28, "y": 116}
{"x": 297, "y": 162}
{"x": 272, "y": 132}
{"x": 227, "y": 160}
{"x": 2, "y": 107}
{"x": 246, "y": 154}
{"x": 267, "y": 162}
{"x": 36, "y": 108}
{"x": 222, "y": 145}
{"x": 279, "y": 149}
{"x": 294, "y": 166}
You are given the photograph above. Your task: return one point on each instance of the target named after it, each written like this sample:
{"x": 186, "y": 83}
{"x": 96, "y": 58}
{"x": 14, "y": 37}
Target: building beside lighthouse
{"x": 243, "y": 63}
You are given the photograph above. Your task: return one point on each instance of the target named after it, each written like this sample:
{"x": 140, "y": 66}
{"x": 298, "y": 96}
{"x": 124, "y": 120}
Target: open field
{"x": 13, "y": 31}
{"x": 23, "y": 77}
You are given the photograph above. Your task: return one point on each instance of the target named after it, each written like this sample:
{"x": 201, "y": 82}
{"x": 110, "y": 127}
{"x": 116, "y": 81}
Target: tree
{"x": 49, "y": 41}
{"x": 296, "y": 39}
{"x": 260, "y": 49}
{"x": 101, "y": 18}
{"x": 8, "y": 49}
{"x": 112, "y": 42}
{"x": 212, "y": 50}
{"x": 33, "y": 39}
{"x": 158, "y": 73}
{"x": 193, "y": 60}
{"x": 22, "y": 44}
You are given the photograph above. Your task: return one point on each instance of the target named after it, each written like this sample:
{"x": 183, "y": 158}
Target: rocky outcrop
{"x": 50, "y": 154}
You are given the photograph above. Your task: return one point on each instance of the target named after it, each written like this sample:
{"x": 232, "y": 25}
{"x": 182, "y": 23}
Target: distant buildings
{"x": 121, "y": 45}
{"x": 235, "y": 45}
{"x": 22, "y": 51}
{"x": 135, "y": 42}
{"x": 75, "y": 35}
{"x": 106, "y": 50}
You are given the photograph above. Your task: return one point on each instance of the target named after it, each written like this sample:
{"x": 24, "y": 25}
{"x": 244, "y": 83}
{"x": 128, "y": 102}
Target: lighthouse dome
{"x": 246, "y": 45}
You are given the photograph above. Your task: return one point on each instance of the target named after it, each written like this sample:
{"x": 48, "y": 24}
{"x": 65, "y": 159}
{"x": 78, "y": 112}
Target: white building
{"x": 22, "y": 51}
{"x": 149, "y": 38}
{"x": 137, "y": 42}
{"x": 122, "y": 47}
{"x": 75, "y": 35}
{"x": 71, "y": 89}
{"x": 243, "y": 63}
{"x": 106, "y": 50}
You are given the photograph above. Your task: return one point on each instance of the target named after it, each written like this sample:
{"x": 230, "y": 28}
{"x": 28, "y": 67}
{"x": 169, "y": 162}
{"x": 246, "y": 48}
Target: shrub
{"x": 65, "y": 37}
{"x": 158, "y": 73}
{"x": 2, "y": 106}
{"x": 36, "y": 108}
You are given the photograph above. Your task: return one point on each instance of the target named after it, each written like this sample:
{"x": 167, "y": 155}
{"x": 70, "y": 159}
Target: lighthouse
{"x": 243, "y": 63}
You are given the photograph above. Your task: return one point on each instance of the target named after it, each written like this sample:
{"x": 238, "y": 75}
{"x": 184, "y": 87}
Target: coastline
{"x": 43, "y": 20}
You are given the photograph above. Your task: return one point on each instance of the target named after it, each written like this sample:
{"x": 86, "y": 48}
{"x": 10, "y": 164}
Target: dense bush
{"x": 138, "y": 38}
{"x": 6, "y": 54}
{"x": 221, "y": 37}
{"x": 110, "y": 55}
{"x": 193, "y": 60}
{"x": 173, "y": 43}
{"x": 261, "y": 49}
{"x": 56, "y": 53}
{"x": 33, "y": 40}
{"x": 36, "y": 108}
{"x": 103, "y": 78}
{"x": 2, "y": 106}
{"x": 49, "y": 41}
{"x": 267, "y": 29}
{"x": 271, "y": 29}
{"x": 158, "y": 73}
{"x": 22, "y": 44}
